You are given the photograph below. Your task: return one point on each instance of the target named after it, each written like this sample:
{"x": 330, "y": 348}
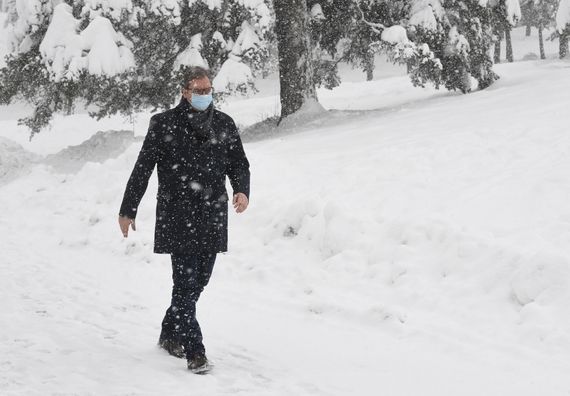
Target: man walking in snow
{"x": 194, "y": 147}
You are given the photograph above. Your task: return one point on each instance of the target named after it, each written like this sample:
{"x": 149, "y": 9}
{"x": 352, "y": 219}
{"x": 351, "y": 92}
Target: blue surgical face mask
{"x": 201, "y": 102}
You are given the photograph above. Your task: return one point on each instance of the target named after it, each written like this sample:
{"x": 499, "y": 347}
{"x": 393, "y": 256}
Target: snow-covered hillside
{"x": 416, "y": 243}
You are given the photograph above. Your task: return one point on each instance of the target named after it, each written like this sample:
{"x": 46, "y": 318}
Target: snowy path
{"x": 420, "y": 249}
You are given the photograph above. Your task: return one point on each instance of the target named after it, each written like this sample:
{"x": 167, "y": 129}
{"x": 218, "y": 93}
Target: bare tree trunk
{"x": 509, "y": 45}
{"x": 497, "y": 53}
{"x": 295, "y": 65}
{"x": 369, "y": 66}
{"x": 541, "y": 43}
{"x": 527, "y": 31}
{"x": 563, "y": 39}
{"x": 69, "y": 105}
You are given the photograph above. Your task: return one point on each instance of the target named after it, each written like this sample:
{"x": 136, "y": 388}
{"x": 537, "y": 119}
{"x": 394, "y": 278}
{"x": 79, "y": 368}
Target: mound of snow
{"x": 412, "y": 241}
{"x": 14, "y": 160}
{"x": 99, "y": 148}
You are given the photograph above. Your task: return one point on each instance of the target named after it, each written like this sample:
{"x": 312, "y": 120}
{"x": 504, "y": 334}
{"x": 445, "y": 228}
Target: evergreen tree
{"x": 26, "y": 74}
{"x": 123, "y": 57}
{"x": 363, "y": 41}
{"x": 528, "y": 15}
{"x": 505, "y": 15}
{"x": 471, "y": 41}
{"x": 426, "y": 27}
{"x": 325, "y": 32}
{"x": 444, "y": 43}
{"x": 540, "y": 14}
{"x": 341, "y": 31}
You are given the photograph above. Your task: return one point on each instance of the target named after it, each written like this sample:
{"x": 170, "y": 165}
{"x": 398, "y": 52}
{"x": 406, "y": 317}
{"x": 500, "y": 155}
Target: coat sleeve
{"x": 238, "y": 165}
{"x": 138, "y": 182}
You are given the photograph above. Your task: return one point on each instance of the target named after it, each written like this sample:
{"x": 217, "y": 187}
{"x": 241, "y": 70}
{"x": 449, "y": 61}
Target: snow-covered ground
{"x": 409, "y": 242}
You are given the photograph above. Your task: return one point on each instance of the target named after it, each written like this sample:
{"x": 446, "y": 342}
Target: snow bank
{"x": 404, "y": 242}
{"x": 309, "y": 111}
{"x": 98, "y": 148}
{"x": 15, "y": 161}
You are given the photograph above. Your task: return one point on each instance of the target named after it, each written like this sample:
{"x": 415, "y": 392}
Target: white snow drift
{"x": 416, "y": 244}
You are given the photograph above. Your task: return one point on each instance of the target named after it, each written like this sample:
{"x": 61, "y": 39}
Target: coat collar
{"x": 199, "y": 123}
{"x": 183, "y": 105}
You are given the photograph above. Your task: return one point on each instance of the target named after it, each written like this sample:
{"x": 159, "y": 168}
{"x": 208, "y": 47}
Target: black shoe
{"x": 173, "y": 348}
{"x": 199, "y": 364}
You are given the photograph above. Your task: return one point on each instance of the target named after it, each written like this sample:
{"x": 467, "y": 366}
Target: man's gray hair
{"x": 195, "y": 73}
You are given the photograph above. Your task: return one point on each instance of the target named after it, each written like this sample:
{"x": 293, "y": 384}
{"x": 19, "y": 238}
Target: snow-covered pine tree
{"x": 108, "y": 79}
{"x": 365, "y": 27}
{"x": 505, "y": 15}
{"x": 123, "y": 56}
{"x": 340, "y": 32}
{"x": 426, "y": 27}
{"x": 362, "y": 38}
{"x": 563, "y": 26}
{"x": 230, "y": 37}
{"x": 26, "y": 73}
{"x": 528, "y": 15}
{"x": 326, "y": 28}
{"x": 470, "y": 36}
{"x": 246, "y": 34}
{"x": 5, "y": 44}
{"x": 349, "y": 31}
{"x": 540, "y": 14}
{"x": 513, "y": 12}
{"x": 442, "y": 42}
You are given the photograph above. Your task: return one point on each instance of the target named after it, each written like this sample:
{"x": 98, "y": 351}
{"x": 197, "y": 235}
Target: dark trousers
{"x": 190, "y": 274}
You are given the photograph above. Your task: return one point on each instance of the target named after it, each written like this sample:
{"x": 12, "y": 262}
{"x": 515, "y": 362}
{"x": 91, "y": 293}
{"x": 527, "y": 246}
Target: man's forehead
{"x": 200, "y": 82}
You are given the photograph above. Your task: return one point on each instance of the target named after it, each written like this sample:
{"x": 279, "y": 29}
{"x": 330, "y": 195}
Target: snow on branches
{"x": 97, "y": 49}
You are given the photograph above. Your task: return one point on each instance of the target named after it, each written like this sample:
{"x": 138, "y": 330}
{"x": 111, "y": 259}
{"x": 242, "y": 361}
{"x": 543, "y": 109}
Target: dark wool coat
{"x": 193, "y": 159}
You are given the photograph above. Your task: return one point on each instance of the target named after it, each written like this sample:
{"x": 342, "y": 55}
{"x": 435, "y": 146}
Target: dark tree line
{"x": 445, "y": 43}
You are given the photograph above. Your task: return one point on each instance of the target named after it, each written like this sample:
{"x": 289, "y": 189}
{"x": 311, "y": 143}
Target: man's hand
{"x": 124, "y": 223}
{"x": 240, "y": 202}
